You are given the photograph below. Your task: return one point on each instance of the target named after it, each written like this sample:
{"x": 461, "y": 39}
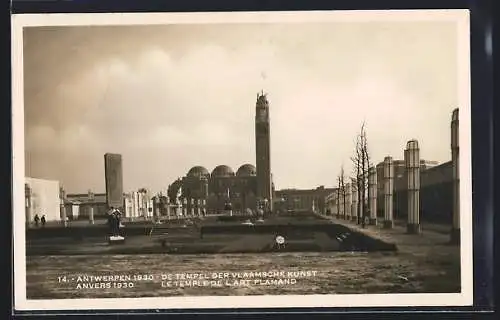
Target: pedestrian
{"x": 37, "y": 220}
{"x": 118, "y": 215}
{"x": 111, "y": 221}
{"x": 114, "y": 224}
{"x": 43, "y": 221}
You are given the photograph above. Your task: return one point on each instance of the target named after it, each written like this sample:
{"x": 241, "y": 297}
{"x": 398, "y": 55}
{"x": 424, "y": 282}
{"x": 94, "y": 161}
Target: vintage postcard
{"x": 242, "y": 160}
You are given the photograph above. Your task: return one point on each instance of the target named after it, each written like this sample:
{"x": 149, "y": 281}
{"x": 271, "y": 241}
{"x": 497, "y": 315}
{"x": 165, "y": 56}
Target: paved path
{"x": 432, "y": 234}
{"x": 432, "y": 246}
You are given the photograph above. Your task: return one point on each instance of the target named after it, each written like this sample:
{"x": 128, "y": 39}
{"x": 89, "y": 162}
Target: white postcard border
{"x": 21, "y": 303}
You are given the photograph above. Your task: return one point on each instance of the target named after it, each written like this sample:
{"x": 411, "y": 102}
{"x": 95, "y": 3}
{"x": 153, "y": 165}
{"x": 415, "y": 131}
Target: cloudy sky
{"x": 169, "y": 97}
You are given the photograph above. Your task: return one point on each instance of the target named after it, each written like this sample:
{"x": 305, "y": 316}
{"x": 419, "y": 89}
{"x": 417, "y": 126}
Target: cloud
{"x": 171, "y": 97}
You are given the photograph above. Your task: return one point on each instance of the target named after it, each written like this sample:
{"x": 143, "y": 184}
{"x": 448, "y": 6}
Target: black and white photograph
{"x": 242, "y": 160}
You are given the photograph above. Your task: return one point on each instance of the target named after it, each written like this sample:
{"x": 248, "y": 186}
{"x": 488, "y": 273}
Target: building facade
{"x": 436, "y": 188}
{"x": 203, "y": 192}
{"x": 138, "y": 204}
{"x": 78, "y": 205}
{"x": 303, "y": 200}
{"x": 399, "y": 179}
{"x": 42, "y": 198}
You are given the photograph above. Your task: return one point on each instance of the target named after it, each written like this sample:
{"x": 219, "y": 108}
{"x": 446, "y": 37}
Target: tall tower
{"x": 263, "y": 149}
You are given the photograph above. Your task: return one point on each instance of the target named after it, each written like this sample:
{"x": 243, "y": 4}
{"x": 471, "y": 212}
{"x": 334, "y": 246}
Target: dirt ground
{"x": 424, "y": 263}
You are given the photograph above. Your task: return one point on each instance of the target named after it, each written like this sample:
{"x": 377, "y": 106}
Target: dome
{"x": 198, "y": 172}
{"x": 246, "y": 170}
{"x": 222, "y": 171}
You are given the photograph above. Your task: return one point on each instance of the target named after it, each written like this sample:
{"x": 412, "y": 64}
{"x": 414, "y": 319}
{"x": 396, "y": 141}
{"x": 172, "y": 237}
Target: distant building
{"x": 304, "y": 200}
{"x": 436, "y": 187}
{"x": 201, "y": 190}
{"x": 78, "y": 205}
{"x": 138, "y": 204}
{"x": 135, "y": 204}
{"x": 399, "y": 178}
{"x": 42, "y": 198}
{"x": 331, "y": 201}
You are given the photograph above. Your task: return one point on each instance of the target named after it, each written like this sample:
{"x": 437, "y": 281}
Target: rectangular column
{"x": 388, "y": 192}
{"x": 114, "y": 180}
{"x": 412, "y": 162}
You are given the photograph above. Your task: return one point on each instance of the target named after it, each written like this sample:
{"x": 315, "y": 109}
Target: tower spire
{"x": 263, "y": 150}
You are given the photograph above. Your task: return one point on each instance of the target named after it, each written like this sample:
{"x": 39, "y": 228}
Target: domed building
{"x": 201, "y": 191}
{"x": 198, "y": 172}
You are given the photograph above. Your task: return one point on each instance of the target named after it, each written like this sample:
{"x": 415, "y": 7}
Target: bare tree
{"x": 341, "y": 198}
{"x": 365, "y": 168}
{"x": 339, "y": 193}
{"x": 361, "y": 161}
{"x": 357, "y": 168}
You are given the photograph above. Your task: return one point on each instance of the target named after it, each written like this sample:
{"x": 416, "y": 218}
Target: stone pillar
{"x": 191, "y": 210}
{"x": 388, "y": 192}
{"x": 62, "y": 197}
{"x": 354, "y": 201}
{"x": 158, "y": 206}
{"x": 91, "y": 207}
{"x": 28, "y": 207}
{"x": 113, "y": 172}
{"x": 348, "y": 201}
{"x": 91, "y": 214}
{"x": 167, "y": 207}
{"x": 184, "y": 207}
{"x": 412, "y": 162}
{"x": 202, "y": 206}
{"x": 198, "y": 207}
{"x": 372, "y": 190}
{"x": 195, "y": 207}
{"x": 455, "y": 231}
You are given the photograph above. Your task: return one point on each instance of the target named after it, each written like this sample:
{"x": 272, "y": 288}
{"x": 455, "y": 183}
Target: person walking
{"x": 37, "y": 220}
{"x": 43, "y": 220}
{"x": 112, "y": 221}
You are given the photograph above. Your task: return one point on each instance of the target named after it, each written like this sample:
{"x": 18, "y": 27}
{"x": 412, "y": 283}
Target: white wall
{"x": 128, "y": 206}
{"x": 138, "y": 204}
{"x": 44, "y": 199}
{"x": 75, "y": 210}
